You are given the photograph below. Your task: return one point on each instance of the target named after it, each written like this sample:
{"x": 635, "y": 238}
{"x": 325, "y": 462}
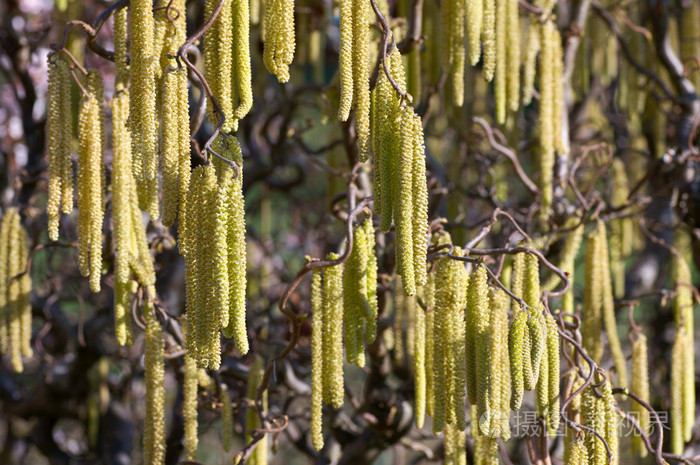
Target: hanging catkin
{"x": 175, "y": 147}
{"x": 538, "y": 348}
{"x": 241, "y": 57}
{"x": 448, "y": 341}
{"x": 429, "y": 299}
{"x": 593, "y": 298}
{"x": 356, "y": 306}
{"x": 608, "y": 309}
{"x": 90, "y": 182}
{"x": 143, "y": 105}
{"x": 15, "y": 288}
{"x": 317, "y": 359}
{"x": 371, "y": 322}
{"x": 333, "y": 333}
{"x": 553, "y": 362}
{"x": 478, "y": 355}
{"x": 218, "y": 62}
{"x": 501, "y": 72}
{"x": 226, "y": 417}
{"x": 419, "y": 371}
{"x": 474, "y": 14}
{"x": 498, "y": 391}
{"x": 488, "y": 39}
{"x": 255, "y": 377}
{"x": 345, "y": 59}
{"x": 513, "y": 54}
{"x": 517, "y": 348}
{"x": 639, "y": 385}
{"x": 189, "y": 407}
{"x": 452, "y": 51}
{"x": 154, "y": 378}
{"x": 59, "y": 130}
{"x": 546, "y": 129}
{"x": 530, "y": 59}
{"x": 278, "y": 37}
{"x": 200, "y": 251}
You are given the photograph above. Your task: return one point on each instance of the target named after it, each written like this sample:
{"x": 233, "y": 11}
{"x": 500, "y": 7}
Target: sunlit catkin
{"x": 371, "y": 323}
{"x": 419, "y": 372}
{"x": 546, "y": 129}
{"x": 488, "y": 39}
{"x": 241, "y": 57}
{"x": 499, "y": 369}
{"x": 516, "y": 346}
{"x": 592, "y": 297}
{"x": 333, "y": 332}
{"x": 677, "y": 390}
{"x": 538, "y": 348}
{"x": 279, "y": 40}
{"x": 611, "y": 423}
{"x": 501, "y": 72}
{"x": 345, "y": 68}
{"x": 553, "y": 362}
{"x": 218, "y": 62}
{"x": 639, "y": 385}
{"x": 420, "y": 204}
{"x": 530, "y": 64}
{"x": 356, "y": 309}
{"x": 143, "y": 105}
{"x": 361, "y": 74}
{"x": 512, "y": 54}
{"x": 90, "y": 183}
{"x": 479, "y": 355}
{"x": 59, "y": 129}
{"x": 474, "y": 15}
{"x": 317, "y": 358}
{"x": 174, "y": 93}
{"x": 154, "y": 378}
{"x": 189, "y": 407}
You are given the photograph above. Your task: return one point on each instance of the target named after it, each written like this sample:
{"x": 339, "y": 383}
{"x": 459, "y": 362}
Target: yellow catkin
{"x": 579, "y": 454}
{"x": 90, "y": 183}
{"x": 553, "y": 363}
{"x": 226, "y": 417}
{"x": 608, "y": 310}
{"x": 684, "y": 318}
{"x": 237, "y": 259}
{"x": 255, "y": 376}
{"x": 171, "y": 146}
{"x": 501, "y": 66}
{"x": 530, "y": 59}
{"x": 403, "y": 212}
{"x": 611, "y": 423}
{"x": 429, "y": 299}
{"x": 218, "y": 62}
{"x": 516, "y": 339}
{"x": 560, "y": 145}
{"x": 317, "y": 371}
{"x": 452, "y": 46}
{"x": 4, "y": 252}
{"x": 593, "y": 417}
{"x": 538, "y": 348}
{"x": 488, "y": 39}
{"x": 531, "y": 281}
{"x": 566, "y": 263}
{"x": 14, "y": 297}
{"x": 361, "y": 74}
{"x": 355, "y": 304}
{"x": 345, "y": 65}
{"x": 513, "y": 54}
{"x": 639, "y": 385}
{"x": 518, "y": 275}
{"x": 419, "y": 372}
{"x": 546, "y": 129}
{"x": 677, "y": 390}
{"x": 332, "y": 332}
{"x": 499, "y": 370}
{"x": 592, "y": 298}
{"x": 154, "y": 378}
{"x": 143, "y": 105}
{"x": 241, "y": 57}
{"x": 479, "y": 357}
{"x": 474, "y": 14}
{"x": 54, "y": 120}
{"x": 620, "y": 228}
{"x": 445, "y": 345}
{"x": 420, "y": 204}
{"x": 122, "y": 186}
{"x": 278, "y": 37}
{"x": 371, "y": 323}
{"x": 189, "y": 408}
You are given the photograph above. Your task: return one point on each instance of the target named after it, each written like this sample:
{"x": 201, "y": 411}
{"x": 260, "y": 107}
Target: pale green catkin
{"x": 592, "y": 297}
{"x": 189, "y": 407}
{"x": 538, "y": 347}
{"x": 516, "y": 346}
{"x": 531, "y": 281}
{"x": 488, "y": 39}
{"x": 317, "y": 371}
{"x": 345, "y": 68}
{"x": 530, "y": 64}
{"x": 403, "y": 212}
{"x": 429, "y": 299}
{"x": 513, "y": 55}
{"x": 501, "y": 71}
{"x": 371, "y": 323}
{"x": 499, "y": 371}
{"x": 218, "y": 62}
{"x": 241, "y": 57}
{"x": 361, "y": 75}
{"x": 420, "y": 204}
{"x": 639, "y": 385}
{"x": 356, "y": 307}
{"x": 608, "y": 309}
{"x": 154, "y": 378}
{"x": 333, "y": 332}
{"x": 143, "y": 105}
{"x": 553, "y": 364}
{"x": 474, "y": 14}
{"x": 479, "y": 379}
{"x": 546, "y": 129}
{"x": 419, "y": 371}
{"x": 226, "y": 417}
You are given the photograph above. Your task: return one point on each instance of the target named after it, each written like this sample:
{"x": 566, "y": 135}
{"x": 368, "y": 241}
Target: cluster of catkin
{"x": 355, "y": 69}
{"x": 227, "y": 61}
{"x": 534, "y": 344}
{"x": 15, "y": 290}
{"x": 682, "y": 358}
{"x": 212, "y": 240}
{"x": 279, "y": 37}
{"x": 400, "y": 186}
{"x": 598, "y": 412}
{"x": 599, "y": 305}
{"x": 344, "y": 308}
